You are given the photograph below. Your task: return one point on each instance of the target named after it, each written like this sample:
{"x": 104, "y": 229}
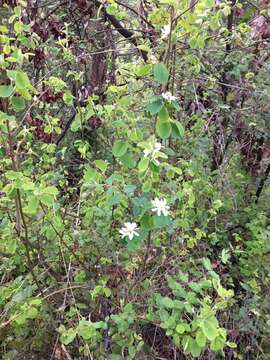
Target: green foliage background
{"x": 105, "y": 106}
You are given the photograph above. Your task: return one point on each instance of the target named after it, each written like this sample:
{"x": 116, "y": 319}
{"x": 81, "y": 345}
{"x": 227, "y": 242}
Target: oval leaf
{"x": 161, "y": 74}
{"x": 119, "y": 148}
{"x": 18, "y": 103}
{"x": 178, "y": 130}
{"x": 22, "y": 81}
{"x": 163, "y": 114}
{"x": 163, "y": 129}
{"x": 210, "y": 328}
{"x": 143, "y": 164}
{"x": 154, "y": 107}
{"x": 5, "y": 91}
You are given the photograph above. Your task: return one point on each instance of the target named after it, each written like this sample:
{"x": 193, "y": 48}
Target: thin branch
{"x": 262, "y": 183}
{"x": 134, "y": 11}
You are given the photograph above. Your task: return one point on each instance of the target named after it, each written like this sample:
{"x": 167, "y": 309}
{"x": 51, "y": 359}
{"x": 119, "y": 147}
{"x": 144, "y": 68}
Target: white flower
{"x": 165, "y": 32}
{"x": 147, "y": 152}
{"x": 156, "y": 147}
{"x": 129, "y": 229}
{"x": 168, "y": 96}
{"x": 153, "y": 151}
{"x": 160, "y": 207}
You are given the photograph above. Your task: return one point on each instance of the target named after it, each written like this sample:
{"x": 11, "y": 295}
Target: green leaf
{"x": 178, "y": 130}
{"x": 154, "y": 107}
{"x": 200, "y": 338}
{"x": 194, "y": 348}
{"x": 101, "y": 165}
{"x": 46, "y": 199}
{"x": 180, "y": 328}
{"x": 160, "y": 221}
{"x": 86, "y": 330}
{"x": 76, "y": 124}
{"x": 5, "y": 91}
{"x": 12, "y": 74}
{"x": 67, "y": 337}
{"x": 119, "y": 148}
{"x": 18, "y": 103}
{"x": 185, "y": 342}
{"x": 32, "y": 313}
{"x": 143, "y": 164}
{"x": 147, "y": 185}
{"x": 167, "y": 302}
{"x": 147, "y": 222}
{"x": 217, "y": 344}
{"x": 22, "y": 81}
{"x": 11, "y": 245}
{"x": 163, "y": 129}
{"x": 164, "y": 114}
{"x": 210, "y": 328}
{"x": 128, "y": 160}
{"x": 32, "y": 206}
{"x": 143, "y": 70}
{"x": 207, "y": 264}
{"x": 161, "y": 73}
{"x": 90, "y": 175}
{"x": 68, "y": 97}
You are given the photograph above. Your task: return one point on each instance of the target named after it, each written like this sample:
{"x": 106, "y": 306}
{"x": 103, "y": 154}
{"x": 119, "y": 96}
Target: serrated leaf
{"x": 119, "y": 148}
{"x": 161, "y": 73}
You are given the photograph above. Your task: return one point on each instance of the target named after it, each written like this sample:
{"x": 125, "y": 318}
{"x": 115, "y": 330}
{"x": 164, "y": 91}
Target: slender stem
{"x": 147, "y": 252}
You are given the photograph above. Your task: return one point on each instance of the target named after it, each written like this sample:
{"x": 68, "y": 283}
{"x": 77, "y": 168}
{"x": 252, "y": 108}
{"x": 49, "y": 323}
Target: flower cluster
{"x": 159, "y": 206}
{"x": 168, "y": 96}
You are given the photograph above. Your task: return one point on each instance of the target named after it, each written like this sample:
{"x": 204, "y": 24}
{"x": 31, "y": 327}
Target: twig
{"x": 262, "y": 183}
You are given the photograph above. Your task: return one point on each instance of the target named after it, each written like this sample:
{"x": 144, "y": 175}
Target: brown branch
{"x": 135, "y": 12}
{"x": 125, "y": 33}
{"x": 262, "y": 183}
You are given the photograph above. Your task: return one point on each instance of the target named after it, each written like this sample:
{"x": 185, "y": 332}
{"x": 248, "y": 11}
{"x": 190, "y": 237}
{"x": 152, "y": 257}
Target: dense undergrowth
{"x": 134, "y": 190}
